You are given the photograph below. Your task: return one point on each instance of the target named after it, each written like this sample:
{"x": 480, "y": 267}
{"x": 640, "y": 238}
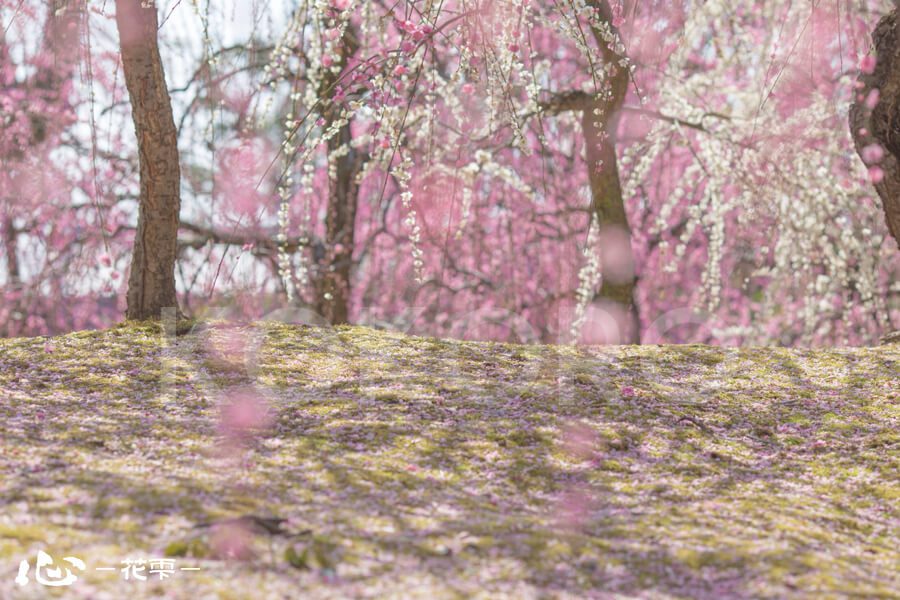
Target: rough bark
{"x": 334, "y": 285}
{"x": 151, "y": 285}
{"x": 881, "y": 124}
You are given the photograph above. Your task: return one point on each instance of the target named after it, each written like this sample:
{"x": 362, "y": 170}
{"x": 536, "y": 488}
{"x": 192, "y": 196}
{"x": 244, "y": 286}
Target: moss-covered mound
{"x": 409, "y": 467}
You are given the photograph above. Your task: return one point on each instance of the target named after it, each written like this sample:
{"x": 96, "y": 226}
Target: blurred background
{"x": 529, "y": 171}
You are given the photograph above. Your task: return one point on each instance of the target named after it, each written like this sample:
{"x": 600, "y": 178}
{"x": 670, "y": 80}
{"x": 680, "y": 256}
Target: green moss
{"x": 195, "y": 548}
{"x": 23, "y": 533}
{"x": 401, "y": 459}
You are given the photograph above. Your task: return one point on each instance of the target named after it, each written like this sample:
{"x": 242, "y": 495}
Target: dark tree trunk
{"x": 334, "y": 285}
{"x": 600, "y": 123}
{"x": 10, "y": 246}
{"x": 151, "y": 285}
{"x": 609, "y": 209}
{"x": 881, "y": 124}
{"x": 340, "y": 228}
{"x": 10, "y": 238}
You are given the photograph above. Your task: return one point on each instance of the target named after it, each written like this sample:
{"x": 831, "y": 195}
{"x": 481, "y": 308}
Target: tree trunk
{"x": 10, "y": 246}
{"x": 600, "y": 123}
{"x": 151, "y": 285}
{"x": 13, "y": 281}
{"x": 334, "y": 286}
{"x": 608, "y": 207}
{"x": 881, "y": 124}
{"x": 340, "y": 228}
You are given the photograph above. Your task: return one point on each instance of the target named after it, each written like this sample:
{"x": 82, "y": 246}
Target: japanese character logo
{"x": 47, "y": 573}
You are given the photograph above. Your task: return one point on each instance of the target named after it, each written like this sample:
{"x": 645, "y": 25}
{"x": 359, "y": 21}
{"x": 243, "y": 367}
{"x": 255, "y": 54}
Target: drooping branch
{"x": 567, "y": 101}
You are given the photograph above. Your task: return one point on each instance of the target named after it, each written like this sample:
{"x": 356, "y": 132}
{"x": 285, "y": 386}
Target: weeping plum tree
{"x": 388, "y": 113}
{"x": 151, "y": 285}
{"x": 28, "y": 129}
{"x": 41, "y": 228}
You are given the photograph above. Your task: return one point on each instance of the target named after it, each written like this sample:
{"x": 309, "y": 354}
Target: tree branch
{"x": 264, "y": 245}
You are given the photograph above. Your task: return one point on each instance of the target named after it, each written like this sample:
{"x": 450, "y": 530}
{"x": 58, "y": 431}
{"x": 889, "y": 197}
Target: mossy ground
{"x": 411, "y": 467}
